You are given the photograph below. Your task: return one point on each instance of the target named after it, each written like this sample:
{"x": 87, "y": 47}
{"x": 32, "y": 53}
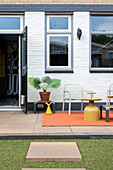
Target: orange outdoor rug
{"x": 75, "y": 119}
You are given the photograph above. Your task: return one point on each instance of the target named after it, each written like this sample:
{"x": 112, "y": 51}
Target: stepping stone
{"x": 53, "y": 169}
{"x": 53, "y": 151}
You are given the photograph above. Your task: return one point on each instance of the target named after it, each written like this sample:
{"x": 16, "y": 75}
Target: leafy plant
{"x": 44, "y": 83}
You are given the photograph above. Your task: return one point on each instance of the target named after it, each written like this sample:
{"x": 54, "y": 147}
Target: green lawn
{"x": 97, "y": 155}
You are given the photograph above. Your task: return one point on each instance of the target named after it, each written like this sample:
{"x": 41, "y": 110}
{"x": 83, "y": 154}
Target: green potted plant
{"x": 44, "y": 83}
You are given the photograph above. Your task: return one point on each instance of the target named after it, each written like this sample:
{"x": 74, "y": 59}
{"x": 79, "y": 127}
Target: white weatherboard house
{"x": 39, "y": 40}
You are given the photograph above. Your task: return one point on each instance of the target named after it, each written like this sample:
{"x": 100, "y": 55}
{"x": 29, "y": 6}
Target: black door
{"x": 24, "y": 71}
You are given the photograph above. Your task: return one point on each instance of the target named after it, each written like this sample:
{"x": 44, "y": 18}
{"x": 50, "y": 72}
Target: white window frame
{"x": 98, "y": 33}
{"x": 59, "y": 30}
{"x": 59, "y": 33}
{"x": 13, "y": 31}
{"x": 69, "y": 51}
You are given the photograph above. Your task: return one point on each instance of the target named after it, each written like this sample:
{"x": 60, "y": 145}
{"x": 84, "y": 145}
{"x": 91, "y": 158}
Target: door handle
{"x": 24, "y": 70}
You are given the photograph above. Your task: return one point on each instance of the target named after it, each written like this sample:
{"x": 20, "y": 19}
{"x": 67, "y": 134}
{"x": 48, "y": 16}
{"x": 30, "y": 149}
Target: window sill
{"x": 58, "y": 71}
{"x": 101, "y": 71}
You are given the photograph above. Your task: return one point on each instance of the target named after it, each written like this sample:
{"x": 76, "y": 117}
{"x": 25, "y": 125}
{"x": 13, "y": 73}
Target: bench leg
{"x": 107, "y": 115}
{"x": 63, "y": 106}
{"x": 100, "y": 112}
{"x": 34, "y": 107}
{"x": 69, "y": 107}
{"x": 53, "y": 107}
{"x": 81, "y": 105}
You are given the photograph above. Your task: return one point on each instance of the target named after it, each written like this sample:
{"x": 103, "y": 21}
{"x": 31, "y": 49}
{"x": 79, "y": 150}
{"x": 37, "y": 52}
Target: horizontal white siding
{"x": 98, "y": 82}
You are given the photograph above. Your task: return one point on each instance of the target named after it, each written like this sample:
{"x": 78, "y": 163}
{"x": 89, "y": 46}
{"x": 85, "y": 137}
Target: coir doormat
{"x": 75, "y": 119}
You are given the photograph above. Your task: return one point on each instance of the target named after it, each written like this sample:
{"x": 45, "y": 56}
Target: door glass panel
{"x": 24, "y": 56}
{"x": 58, "y": 22}
{"x": 10, "y": 23}
{"x": 58, "y": 51}
{"x": 2, "y": 64}
{"x": 9, "y": 70}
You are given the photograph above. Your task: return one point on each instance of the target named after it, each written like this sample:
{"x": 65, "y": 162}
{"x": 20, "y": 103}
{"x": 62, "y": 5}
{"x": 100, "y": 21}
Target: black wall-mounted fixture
{"x": 79, "y": 33}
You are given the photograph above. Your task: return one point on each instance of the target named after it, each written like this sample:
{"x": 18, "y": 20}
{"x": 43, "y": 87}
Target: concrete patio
{"x": 16, "y": 124}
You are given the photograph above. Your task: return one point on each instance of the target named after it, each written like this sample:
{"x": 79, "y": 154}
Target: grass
{"x": 97, "y": 155}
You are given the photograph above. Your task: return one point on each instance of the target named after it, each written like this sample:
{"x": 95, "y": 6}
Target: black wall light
{"x": 79, "y": 33}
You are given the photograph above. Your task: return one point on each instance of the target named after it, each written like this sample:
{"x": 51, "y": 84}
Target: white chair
{"x": 109, "y": 94}
{"x": 72, "y": 92}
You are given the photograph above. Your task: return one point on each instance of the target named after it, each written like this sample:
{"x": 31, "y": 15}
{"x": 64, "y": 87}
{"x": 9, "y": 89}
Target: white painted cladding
{"x": 97, "y": 82}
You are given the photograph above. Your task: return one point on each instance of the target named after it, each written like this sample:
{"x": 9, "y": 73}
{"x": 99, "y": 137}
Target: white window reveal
{"x": 58, "y": 45}
{"x": 11, "y": 24}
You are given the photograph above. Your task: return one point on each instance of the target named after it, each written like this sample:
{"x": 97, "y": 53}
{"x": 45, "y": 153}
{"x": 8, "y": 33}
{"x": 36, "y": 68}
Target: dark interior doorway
{"x": 9, "y": 70}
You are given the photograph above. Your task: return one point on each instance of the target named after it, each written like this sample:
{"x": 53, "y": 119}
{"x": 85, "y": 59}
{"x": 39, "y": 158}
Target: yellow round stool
{"x": 91, "y": 112}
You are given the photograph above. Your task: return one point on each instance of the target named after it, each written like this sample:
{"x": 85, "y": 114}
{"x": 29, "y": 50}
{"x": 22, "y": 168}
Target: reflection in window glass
{"x": 110, "y": 54}
{"x": 58, "y": 51}
{"x": 58, "y": 23}
{"x": 9, "y": 23}
{"x": 102, "y": 51}
{"x": 102, "y": 23}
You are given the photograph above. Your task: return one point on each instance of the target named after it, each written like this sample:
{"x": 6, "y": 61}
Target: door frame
{"x": 24, "y": 70}
{"x": 7, "y": 107}
{"x": 19, "y": 57}
{"x": 19, "y": 34}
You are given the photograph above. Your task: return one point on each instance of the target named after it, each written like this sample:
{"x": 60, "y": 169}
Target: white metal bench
{"x": 72, "y": 92}
{"x": 109, "y": 94}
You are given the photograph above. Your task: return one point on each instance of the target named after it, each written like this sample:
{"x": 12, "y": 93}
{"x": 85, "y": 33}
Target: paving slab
{"x": 53, "y": 169}
{"x": 12, "y": 131}
{"x": 38, "y": 129}
{"x": 3, "y": 119}
{"x": 7, "y": 112}
{"x": 110, "y": 128}
{"x": 53, "y": 151}
{"x": 88, "y": 129}
{"x": 17, "y": 123}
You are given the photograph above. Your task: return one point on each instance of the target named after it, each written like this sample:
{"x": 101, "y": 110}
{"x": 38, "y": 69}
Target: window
{"x": 102, "y": 43}
{"x": 11, "y": 23}
{"x": 56, "y": 23}
{"x": 58, "y": 45}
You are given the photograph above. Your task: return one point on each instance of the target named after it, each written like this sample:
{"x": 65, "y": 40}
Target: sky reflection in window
{"x": 9, "y": 23}
{"x": 58, "y": 22}
{"x": 102, "y": 23}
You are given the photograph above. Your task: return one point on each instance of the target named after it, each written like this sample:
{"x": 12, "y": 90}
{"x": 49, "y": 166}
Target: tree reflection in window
{"x": 102, "y": 50}
{"x": 58, "y": 51}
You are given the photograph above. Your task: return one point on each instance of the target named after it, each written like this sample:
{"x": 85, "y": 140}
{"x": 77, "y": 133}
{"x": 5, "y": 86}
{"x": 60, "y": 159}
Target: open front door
{"x": 24, "y": 71}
